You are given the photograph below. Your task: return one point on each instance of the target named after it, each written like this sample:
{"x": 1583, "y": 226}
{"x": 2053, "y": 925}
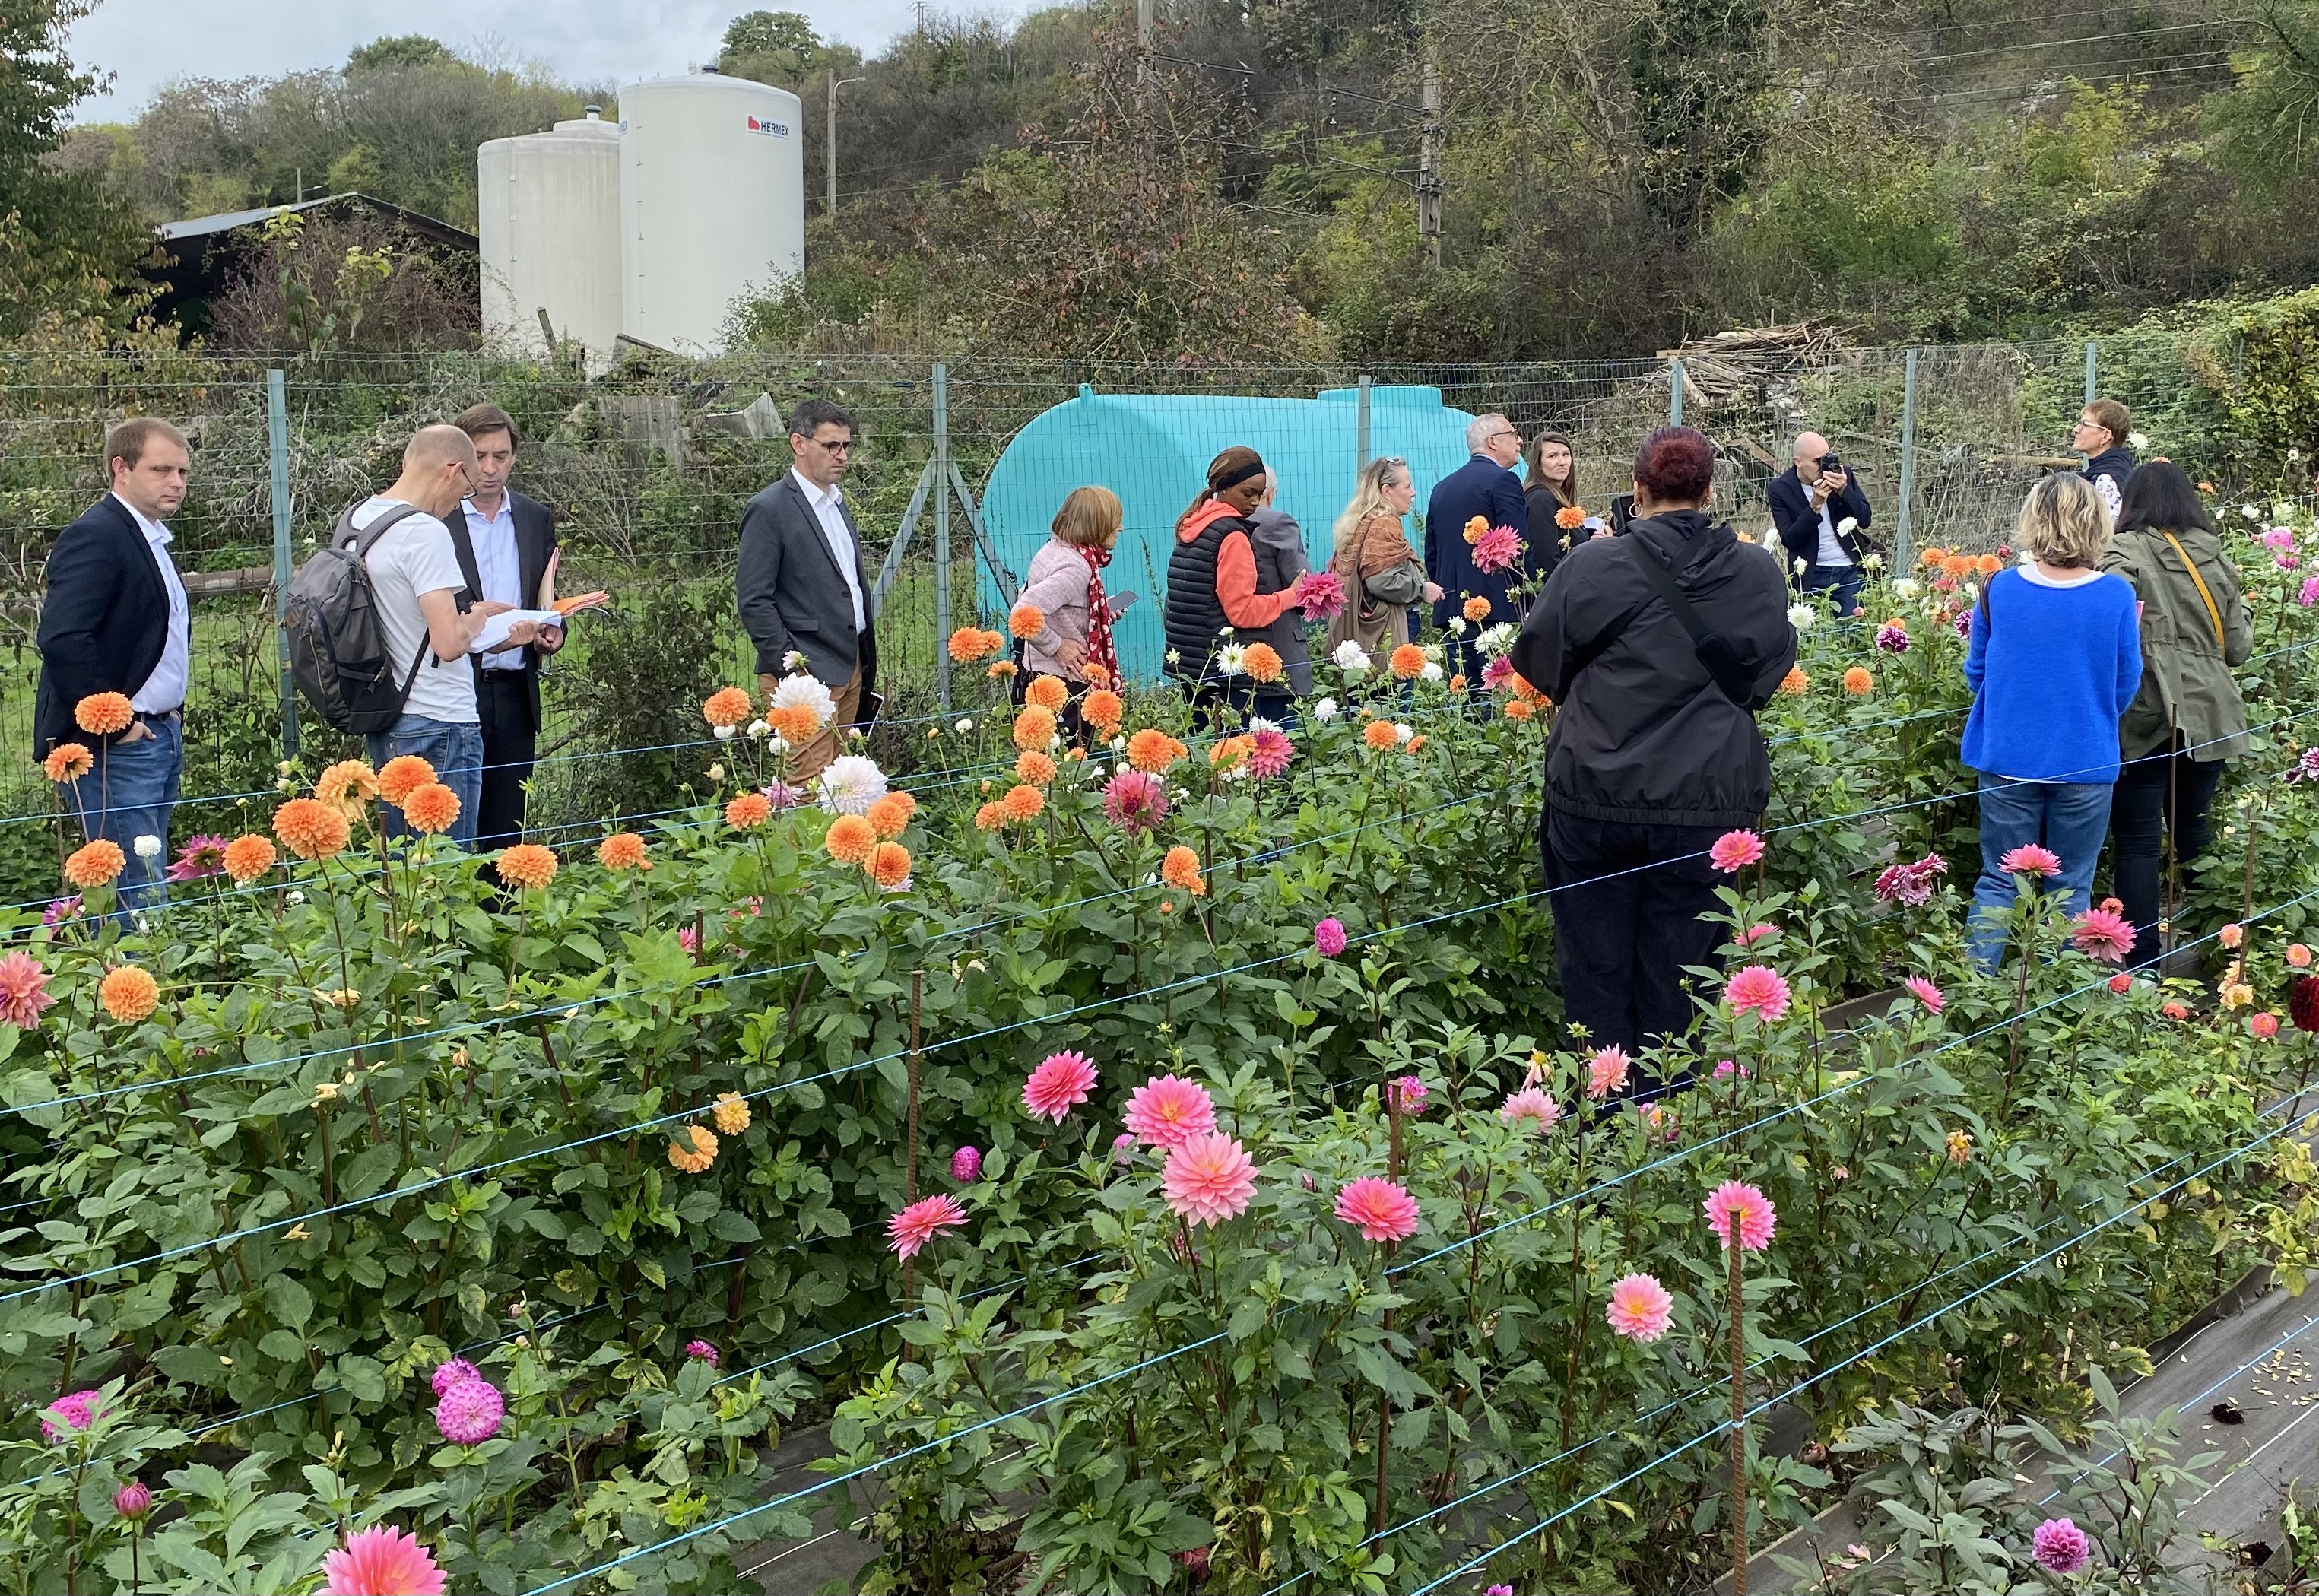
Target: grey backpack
{"x": 337, "y": 637}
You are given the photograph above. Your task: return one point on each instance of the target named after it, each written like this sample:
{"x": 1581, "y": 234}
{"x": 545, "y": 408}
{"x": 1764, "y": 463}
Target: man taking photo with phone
{"x": 1823, "y": 520}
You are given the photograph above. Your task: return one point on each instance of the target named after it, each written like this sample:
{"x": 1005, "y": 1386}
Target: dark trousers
{"x": 1842, "y": 583}
{"x": 2162, "y": 793}
{"x": 510, "y": 744}
{"x": 1627, "y": 903}
{"x": 1243, "y": 697}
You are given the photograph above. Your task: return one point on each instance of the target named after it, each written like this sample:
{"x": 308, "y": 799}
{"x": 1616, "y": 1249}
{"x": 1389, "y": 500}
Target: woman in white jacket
{"x": 1065, "y": 586}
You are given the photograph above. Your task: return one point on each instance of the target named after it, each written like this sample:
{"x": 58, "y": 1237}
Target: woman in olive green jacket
{"x": 2189, "y": 718}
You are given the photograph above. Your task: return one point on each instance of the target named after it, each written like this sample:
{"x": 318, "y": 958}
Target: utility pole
{"x": 1429, "y": 167}
{"x": 1143, "y": 24}
{"x": 836, "y": 82}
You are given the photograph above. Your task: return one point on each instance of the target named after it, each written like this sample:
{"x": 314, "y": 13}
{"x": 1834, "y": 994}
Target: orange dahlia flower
{"x": 990, "y": 817}
{"x": 248, "y": 857}
{"x": 749, "y": 810}
{"x": 526, "y": 864}
{"x": 1262, "y": 661}
{"x": 889, "y": 865}
{"x": 1023, "y": 802}
{"x": 1379, "y": 736}
{"x": 96, "y": 863}
{"x": 68, "y": 761}
{"x": 1795, "y": 683}
{"x": 1477, "y": 610}
{"x": 1475, "y": 527}
{"x": 794, "y": 724}
{"x": 1034, "y": 767}
{"x": 312, "y": 829}
{"x": 129, "y": 994}
{"x": 1000, "y": 670}
{"x": 1026, "y": 621}
{"x": 1858, "y": 682}
{"x": 1181, "y": 869}
{"x": 889, "y": 816}
{"x": 1516, "y": 710}
{"x": 430, "y": 809}
{"x": 851, "y": 839}
{"x": 1570, "y": 518}
{"x": 695, "y": 1147}
{"x": 1153, "y": 750}
{"x": 104, "y": 714}
{"x": 970, "y": 646}
{"x": 1102, "y": 709}
{"x": 623, "y": 850}
{"x": 732, "y": 1112}
{"x": 401, "y": 776}
{"x": 1048, "y": 692}
{"x": 1407, "y": 662}
{"x": 1034, "y": 727}
{"x": 727, "y": 705}
{"x": 1229, "y": 751}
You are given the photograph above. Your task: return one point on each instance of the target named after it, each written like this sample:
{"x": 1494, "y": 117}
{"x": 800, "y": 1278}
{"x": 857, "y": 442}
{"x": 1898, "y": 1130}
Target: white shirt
{"x": 825, "y": 503}
{"x": 1831, "y": 547}
{"x": 164, "y": 689}
{"x": 498, "y": 569}
{"x": 416, "y": 556}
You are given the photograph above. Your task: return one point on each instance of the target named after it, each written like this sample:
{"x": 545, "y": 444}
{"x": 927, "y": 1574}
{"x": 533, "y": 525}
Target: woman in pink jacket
{"x": 1065, "y": 586}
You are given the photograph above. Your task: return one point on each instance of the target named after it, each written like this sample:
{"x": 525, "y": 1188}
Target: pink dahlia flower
{"x": 470, "y": 1412}
{"x": 133, "y": 1501}
{"x": 1925, "y": 993}
{"x": 1734, "y": 851}
{"x": 1378, "y": 1209}
{"x": 1497, "y": 672}
{"x": 1735, "y": 1200}
{"x": 453, "y": 1371}
{"x": 381, "y": 1561}
{"x": 965, "y": 1165}
{"x": 782, "y": 795}
{"x": 1911, "y": 884}
{"x": 1167, "y": 1110}
{"x": 2031, "y": 860}
{"x": 1750, "y": 935}
{"x": 2060, "y": 1546}
{"x": 1329, "y": 937}
{"x": 689, "y": 938}
{"x": 705, "y": 1351}
{"x": 1269, "y": 752}
{"x": 921, "y": 1222}
{"x": 2309, "y": 595}
{"x": 1135, "y": 802}
{"x": 1759, "y": 990}
{"x": 2121, "y": 983}
{"x": 24, "y": 991}
{"x": 1320, "y": 595}
{"x": 61, "y": 909}
{"x": 1409, "y": 1095}
{"x": 1532, "y": 1107}
{"x": 1209, "y": 1179}
{"x": 1497, "y": 549}
{"x": 2104, "y": 934}
{"x": 1641, "y": 1308}
{"x": 200, "y": 856}
{"x": 1606, "y": 1072}
{"x": 1892, "y": 638}
{"x": 1061, "y": 1084}
{"x": 2265, "y": 1026}
{"x": 77, "y": 1411}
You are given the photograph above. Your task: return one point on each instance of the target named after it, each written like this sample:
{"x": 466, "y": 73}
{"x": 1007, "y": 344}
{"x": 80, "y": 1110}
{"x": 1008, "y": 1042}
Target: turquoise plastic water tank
{"x": 1153, "y": 450}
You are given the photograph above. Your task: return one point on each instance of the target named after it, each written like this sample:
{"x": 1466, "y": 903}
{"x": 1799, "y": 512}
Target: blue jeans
{"x": 128, "y": 794}
{"x": 456, "y": 752}
{"x": 2068, "y": 817}
{"x": 1841, "y": 583}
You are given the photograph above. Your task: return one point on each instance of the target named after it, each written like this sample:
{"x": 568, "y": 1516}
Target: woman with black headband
{"x": 1214, "y": 586}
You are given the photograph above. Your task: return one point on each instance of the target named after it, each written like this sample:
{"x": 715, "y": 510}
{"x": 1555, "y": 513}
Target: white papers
{"x": 496, "y": 628}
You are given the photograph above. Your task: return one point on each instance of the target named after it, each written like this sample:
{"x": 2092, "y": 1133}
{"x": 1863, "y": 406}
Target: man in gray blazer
{"x": 802, "y": 583}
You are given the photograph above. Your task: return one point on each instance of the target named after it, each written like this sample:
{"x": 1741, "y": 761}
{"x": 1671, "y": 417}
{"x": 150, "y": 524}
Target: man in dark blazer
{"x": 506, "y": 544}
{"x": 115, "y": 620}
{"x": 1823, "y": 520}
{"x": 802, "y": 583}
{"x": 1485, "y": 486}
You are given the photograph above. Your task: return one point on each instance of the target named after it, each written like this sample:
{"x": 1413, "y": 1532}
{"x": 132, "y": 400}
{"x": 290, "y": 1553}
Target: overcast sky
{"x": 145, "y": 43}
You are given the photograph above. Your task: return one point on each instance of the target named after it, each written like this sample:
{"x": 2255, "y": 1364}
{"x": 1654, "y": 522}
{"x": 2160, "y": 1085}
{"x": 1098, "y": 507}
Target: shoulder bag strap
{"x": 2214, "y": 616}
{"x": 1713, "y": 649}
{"x": 362, "y": 543}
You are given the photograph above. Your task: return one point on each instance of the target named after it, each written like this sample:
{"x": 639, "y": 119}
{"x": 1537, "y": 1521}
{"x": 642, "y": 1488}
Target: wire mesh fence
{"x": 957, "y": 472}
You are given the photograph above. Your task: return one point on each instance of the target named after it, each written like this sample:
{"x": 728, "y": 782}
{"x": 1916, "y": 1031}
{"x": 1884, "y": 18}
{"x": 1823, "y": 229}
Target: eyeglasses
{"x": 832, "y": 445}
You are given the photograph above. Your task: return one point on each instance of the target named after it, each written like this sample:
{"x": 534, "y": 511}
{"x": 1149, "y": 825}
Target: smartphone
{"x": 1622, "y": 510}
{"x": 1121, "y": 603}
{"x": 873, "y": 705}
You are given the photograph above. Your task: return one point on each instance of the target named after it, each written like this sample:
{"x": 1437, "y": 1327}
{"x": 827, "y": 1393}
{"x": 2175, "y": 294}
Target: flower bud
{"x": 133, "y": 1501}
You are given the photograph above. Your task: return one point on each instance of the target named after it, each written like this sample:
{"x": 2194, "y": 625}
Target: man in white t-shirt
{"x": 414, "y": 570}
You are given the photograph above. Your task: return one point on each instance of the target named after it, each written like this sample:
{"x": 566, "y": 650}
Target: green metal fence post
{"x": 1361, "y": 425}
{"x": 277, "y": 439}
{"x": 1674, "y": 389}
{"x": 1904, "y": 553}
{"x": 941, "y": 535}
{"x": 2092, "y": 368}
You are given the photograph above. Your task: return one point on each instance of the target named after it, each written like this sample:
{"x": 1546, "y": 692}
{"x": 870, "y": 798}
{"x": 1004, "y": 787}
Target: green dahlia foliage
{"x": 628, "y": 1140}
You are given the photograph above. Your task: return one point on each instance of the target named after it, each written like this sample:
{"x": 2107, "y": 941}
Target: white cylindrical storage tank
{"x": 548, "y": 222}
{"x": 712, "y": 203}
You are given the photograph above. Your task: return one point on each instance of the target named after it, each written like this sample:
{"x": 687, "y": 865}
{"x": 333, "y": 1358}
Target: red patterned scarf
{"x": 1100, "y": 649}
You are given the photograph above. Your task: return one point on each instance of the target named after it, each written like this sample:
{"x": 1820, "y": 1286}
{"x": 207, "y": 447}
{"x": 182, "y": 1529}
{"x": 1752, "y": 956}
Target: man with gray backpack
{"x": 378, "y": 634}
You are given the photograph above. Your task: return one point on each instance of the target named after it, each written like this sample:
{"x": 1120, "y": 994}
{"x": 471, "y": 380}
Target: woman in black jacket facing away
{"x": 1654, "y": 752}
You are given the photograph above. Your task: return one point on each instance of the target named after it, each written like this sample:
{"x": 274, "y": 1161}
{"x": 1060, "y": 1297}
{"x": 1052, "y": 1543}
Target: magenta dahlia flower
{"x": 470, "y": 1412}
{"x": 1409, "y": 1095}
{"x": 1269, "y": 752}
{"x": 1320, "y": 595}
{"x": 1135, "y": 802}
{"x": 200, "y": 856}
{"x": 921, "y": 1222}
{"x": 965, "y": 1165}
{"x": 77, "y": 1411}
{"x": 2060, "y": 1546}
{"x": 453, "y": 1371}
{"x": 1497, "y": 549}
{"x": 705, "y": 1351}
{"x": 1329, "y": 937}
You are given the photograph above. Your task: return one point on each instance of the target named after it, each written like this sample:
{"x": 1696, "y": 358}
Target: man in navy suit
{"x": 1823, "y": 520}
{"x": 115, "y": 620}
{"x": 1485, "y": 486}
{"x": 505, "y": 542}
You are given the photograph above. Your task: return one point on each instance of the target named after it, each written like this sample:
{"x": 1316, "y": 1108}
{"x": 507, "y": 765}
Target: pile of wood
{"x": 1745, "y": 369}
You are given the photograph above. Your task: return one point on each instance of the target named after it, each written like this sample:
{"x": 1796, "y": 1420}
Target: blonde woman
{"x": 1381, "y": 573}
{"x": 1065, "y": 586}
{"x": 2054, "y": 660}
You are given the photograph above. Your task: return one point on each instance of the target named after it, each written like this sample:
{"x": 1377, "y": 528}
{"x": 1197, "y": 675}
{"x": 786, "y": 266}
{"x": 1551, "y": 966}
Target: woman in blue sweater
{"x": 2054, "y": 660}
